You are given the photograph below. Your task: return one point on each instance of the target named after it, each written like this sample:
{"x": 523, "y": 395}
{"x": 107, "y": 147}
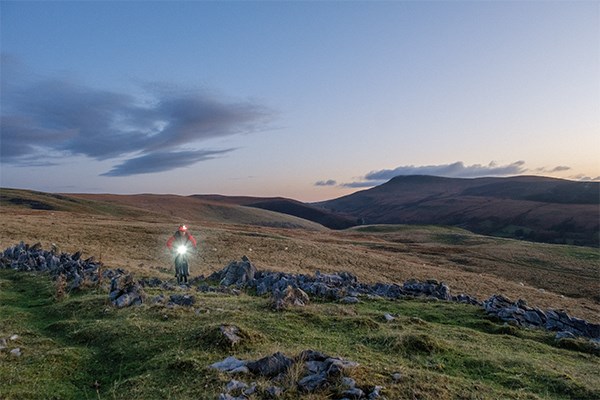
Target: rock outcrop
{"x": 125, "y": 292}
{"x": 520, "y": 314}
{"x": 75, "y": 270}
{"x": 290, "y": 297}
{"x": 237, "y": 273}
{"x": 318, "y": 372}
{"x": 286, "y": 289}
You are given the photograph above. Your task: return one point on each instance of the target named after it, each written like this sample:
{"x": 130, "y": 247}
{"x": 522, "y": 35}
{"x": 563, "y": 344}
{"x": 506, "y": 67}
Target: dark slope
{"x": 286, "y": 206}
{"x": 302, "y": 210}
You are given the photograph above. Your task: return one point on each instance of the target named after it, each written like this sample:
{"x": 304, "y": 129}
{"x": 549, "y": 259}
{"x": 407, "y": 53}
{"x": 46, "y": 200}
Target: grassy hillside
{"x": 548, "y": 276}
{"x": 191, "y": 208}
{"x": 81, "y": 347}
{"x": 29, "y": 199}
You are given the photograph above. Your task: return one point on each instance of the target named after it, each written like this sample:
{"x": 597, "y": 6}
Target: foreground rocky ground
{"x": 286, "y": 289}
{"x": 309, "y": 371}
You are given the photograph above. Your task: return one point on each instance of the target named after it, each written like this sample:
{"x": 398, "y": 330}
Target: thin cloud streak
{"x": 329, "y": 182}
{"x": 41, "y": 117}
{"x": 162, "y": 161}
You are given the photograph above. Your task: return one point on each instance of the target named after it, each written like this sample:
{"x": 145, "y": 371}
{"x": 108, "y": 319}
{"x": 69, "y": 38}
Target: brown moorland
{"x": 131, "y": 231}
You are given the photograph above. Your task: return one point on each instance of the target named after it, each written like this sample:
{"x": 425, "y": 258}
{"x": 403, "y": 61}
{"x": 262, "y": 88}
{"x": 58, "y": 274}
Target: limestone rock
{"x": 236, "y": 273}
{"x": 231, "y": 334}
{"x": 231, "y": 365}
{"x": 289, "y": 297}
{"x": 270, "y": 366}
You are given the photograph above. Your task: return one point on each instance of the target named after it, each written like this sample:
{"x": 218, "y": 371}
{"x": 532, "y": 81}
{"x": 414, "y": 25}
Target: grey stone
{"x": 231, "y": 365}
{"x": 396, "y": 377}
{"x": 238, "y": 273}
{"x": 564, "y": 335}
{"x": 14, "y": 337}
{"x": 185, "y": 300}
{"x": 233, "y": 385}
{"x": 336, "y": 366}
{"x": 348, "y": 383}
{"x": 355, "y": 393}
{"x": 271, "y": 365}
{"x": 251, "y": 390}
{"x": 533, "y": 318}
{"x": 376, "y": 393}
{"x": 230, "y": 332}
{"x": 349, "y": 300}
{"x": 290, "y": 297}
{"x": 16, "y": 352}
{"x": 389, "y": 317}
{"x": 274, "y": 391}
{"x": 313, "y": 382}
{"x": 315, "y": 367}
{"x": 311, "y": 355}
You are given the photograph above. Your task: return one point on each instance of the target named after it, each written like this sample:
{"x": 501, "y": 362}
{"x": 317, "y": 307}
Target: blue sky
{"x": 310, "y": 100}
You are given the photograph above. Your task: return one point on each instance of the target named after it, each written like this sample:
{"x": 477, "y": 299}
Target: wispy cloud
{"x": 559, "y": 168}
{"x": 45, "y": 117}
{"x": 454, "y": 170}
{"x": 329, "y": 182}
{"x": 362, "y": 184}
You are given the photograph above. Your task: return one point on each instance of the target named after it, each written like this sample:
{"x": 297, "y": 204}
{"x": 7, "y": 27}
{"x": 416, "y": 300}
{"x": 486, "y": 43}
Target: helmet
{"x": 182, "y": 228}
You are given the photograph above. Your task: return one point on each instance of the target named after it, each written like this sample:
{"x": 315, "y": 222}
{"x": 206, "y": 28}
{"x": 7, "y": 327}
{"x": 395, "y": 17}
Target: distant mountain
{"x": 527, "y": 207}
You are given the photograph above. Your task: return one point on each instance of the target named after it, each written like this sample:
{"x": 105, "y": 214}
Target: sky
{"x": 307, "y": 100}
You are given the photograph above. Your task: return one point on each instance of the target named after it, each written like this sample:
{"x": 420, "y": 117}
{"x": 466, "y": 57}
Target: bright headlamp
{"x": 181, "y": 250}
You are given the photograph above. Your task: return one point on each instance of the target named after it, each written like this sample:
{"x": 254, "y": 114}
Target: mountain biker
{"x": 181, "y": 237}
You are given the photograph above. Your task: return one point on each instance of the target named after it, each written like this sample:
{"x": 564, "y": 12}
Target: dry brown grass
{"x": 471, "y": 264}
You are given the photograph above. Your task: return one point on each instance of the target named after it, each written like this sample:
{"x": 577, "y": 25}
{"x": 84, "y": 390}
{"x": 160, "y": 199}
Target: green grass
{"x": 443, "y": 350}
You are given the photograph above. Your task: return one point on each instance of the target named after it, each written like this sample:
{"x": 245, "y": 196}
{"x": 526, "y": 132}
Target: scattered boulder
{"x": 275, "y": 391}
{"x": 270, "y": 366}
{"x": 429, "y": 288}
{"x": 237, "y": 273}
{"x": 234, "y": 385}
{"x": 24, "y": 257}
{"x": 319, "y": 373}
{"x": 564, "y": 335}
{"x": 376, "y": 393}
{"x": 16, "y": 352}
{"x": 289, "y": 297}
{"x": 231, "y": 365}
{"x": 124, "y": 292}
{"x": 349, "y": 300}
{"x": 388, "y": 317}
{"x": 520, "y": 314}
{"x": 231, "y": 334}
{"x": 185, "y": 300}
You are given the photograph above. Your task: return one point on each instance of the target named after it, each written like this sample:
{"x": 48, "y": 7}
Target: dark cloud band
{"x": 162, "y": 161}
{"x": 58, "y": 116}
